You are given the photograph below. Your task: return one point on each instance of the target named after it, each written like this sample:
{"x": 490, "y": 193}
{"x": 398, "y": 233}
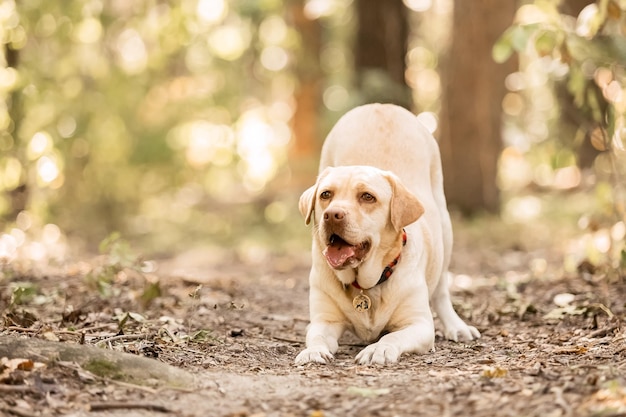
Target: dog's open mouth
{"x": 340, "y": 254}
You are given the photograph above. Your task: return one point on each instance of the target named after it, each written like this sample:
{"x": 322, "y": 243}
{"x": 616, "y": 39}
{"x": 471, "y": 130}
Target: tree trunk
{"x": 381, "y": 47}
{"x": 307, "y": 143}
{"x": 18, "y": 196}
{"x": 473, "y": 88}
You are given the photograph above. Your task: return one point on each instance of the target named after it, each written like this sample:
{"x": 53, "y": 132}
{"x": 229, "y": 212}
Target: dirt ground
{"x": 553, "y": 344}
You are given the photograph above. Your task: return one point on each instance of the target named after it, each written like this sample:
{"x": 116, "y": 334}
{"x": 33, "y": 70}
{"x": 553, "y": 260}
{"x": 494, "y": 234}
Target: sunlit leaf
{"x": 502, "y": 50}
{"x": 22, "y": 292}
{"x": 589, "y": 21}
{"x": 546, "y": 43}
{"x": 514, "y": 39}
{"x": 520, "y": 36}
{"x": 136, "y": 316}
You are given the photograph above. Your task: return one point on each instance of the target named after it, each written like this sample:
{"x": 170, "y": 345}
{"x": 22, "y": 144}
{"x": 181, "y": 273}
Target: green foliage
{"x": 592, "y": 48}
{"x": 124, "y": 318}
{"x": 22, "y": 292}
{"x": 108, "y": 110}
{"x": 203, "y": 336}
{"x": 118, "y": 252}
{"x": 118, "y": 258}
{"x": 151, "y": 292}
{"x": 578, "y": 62}
{"x": 104, "y": 368}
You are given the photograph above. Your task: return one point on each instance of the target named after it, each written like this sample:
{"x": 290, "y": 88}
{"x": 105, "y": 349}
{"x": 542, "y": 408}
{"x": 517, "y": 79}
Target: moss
{"x": 104, "y": 368}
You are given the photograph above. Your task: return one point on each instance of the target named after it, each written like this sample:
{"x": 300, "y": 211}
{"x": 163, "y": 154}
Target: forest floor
{"x": 553, "y": 343}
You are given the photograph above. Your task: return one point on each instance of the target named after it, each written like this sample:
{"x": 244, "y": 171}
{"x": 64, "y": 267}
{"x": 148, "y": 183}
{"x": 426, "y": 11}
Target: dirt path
{"x": 239, "y": 332}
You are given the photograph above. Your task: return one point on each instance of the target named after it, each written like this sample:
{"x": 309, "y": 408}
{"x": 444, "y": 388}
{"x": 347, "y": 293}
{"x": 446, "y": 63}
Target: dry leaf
{"x": 51, "y": 336}
{"x": 559, "y": 313}
{"x": 17, "y": 363}
{"x": 494, "y": 372}
{"x": 563, "y": 299}
{"x": 578, "y": 350}
{"x": 8, "y": 366}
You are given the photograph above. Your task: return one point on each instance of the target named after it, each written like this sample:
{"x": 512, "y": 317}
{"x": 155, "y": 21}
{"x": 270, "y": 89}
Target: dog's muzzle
{"x": 339, "y": 252}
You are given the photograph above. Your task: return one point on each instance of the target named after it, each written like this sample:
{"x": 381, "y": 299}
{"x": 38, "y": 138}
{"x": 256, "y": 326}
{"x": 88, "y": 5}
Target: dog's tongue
{"x": 338, "y": 252}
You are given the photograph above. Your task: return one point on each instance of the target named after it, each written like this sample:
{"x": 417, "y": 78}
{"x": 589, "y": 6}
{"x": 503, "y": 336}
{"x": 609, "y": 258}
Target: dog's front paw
{"x": 316, "y": 354}
{"x": 379, "y": 354}
{"x": 462, "y": 333}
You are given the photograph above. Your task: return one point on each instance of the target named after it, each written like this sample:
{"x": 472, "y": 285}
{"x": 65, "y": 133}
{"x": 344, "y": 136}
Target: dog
{"x": 382, "y": 239}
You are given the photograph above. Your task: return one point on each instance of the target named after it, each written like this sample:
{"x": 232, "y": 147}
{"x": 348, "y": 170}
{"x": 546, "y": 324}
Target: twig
{"x": 98, "y": 327}
{"x": 133, "y": 406}
{"x": 17, "y": 411}
{"x": 23, "y": 329}
{"x": 285, "y": 339}
{"x": 28, "y": 330}
{"x": 122, "y": 337}
{"x": 602, "y": 332}
{"x": 16, "y": 388}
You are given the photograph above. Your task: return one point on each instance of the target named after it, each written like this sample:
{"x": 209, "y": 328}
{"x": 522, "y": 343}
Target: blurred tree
{"x": 380, "y": 51}
{"x": 471, "y": 116}
{"x": 18, "y": 192}
{"x": 126, "y": 109}
{"x": 305, "y": 123}
{"x": 578, "y": 50}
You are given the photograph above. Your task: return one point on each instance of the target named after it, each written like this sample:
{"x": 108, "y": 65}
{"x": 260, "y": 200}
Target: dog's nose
{"x": 334, "y": 215}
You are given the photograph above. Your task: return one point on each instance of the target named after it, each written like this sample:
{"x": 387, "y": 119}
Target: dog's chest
{"x": 370, "y": 323}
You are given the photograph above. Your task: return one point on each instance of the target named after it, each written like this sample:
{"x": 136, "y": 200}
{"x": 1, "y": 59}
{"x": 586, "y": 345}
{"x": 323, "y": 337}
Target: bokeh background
{"x": 199, "y": 122}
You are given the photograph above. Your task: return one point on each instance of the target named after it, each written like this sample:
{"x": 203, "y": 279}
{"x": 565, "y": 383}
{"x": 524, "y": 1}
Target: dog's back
{"x": 391, "y": 138}
{"x": 386, "y": 136}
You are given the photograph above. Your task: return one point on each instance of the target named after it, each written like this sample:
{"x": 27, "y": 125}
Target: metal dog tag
{"x": 361, "y": 302}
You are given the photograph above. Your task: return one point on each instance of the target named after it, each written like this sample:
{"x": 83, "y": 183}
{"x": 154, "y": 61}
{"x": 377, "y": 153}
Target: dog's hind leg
{"x": 454, "y": 327}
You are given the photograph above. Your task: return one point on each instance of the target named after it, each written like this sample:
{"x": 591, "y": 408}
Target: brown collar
{"x": 388, "y": 269}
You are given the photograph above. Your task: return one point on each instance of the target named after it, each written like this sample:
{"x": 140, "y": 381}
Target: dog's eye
{"x": 368, "y": 198}
{"x": 325, "y": 195}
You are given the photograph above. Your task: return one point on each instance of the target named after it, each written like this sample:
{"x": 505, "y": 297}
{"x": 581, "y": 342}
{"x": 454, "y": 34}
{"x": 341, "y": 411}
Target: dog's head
{"x": 356, "y": 210}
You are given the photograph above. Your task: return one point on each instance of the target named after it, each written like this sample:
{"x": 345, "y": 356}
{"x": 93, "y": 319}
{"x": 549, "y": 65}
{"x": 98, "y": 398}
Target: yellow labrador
{"x": 382, "y": 239}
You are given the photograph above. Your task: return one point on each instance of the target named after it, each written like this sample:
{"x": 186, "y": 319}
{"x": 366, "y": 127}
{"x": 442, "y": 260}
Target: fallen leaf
{"x": 563, "y": 299}
{"x": 579, "y": 350}
{"x": 560, "y": 312}
{"x": 50, "y": 336}
{"x": 494, "y": 372}
{"x": 8, "y": 366}
{"x": 19, "y": 363}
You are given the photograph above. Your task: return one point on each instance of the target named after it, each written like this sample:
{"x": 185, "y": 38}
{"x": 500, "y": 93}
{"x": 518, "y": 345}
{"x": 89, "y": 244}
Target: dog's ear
{"x": 307, "y": 203}
{"x": 307, "y": 199}
{"x": 405, "y": 207}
